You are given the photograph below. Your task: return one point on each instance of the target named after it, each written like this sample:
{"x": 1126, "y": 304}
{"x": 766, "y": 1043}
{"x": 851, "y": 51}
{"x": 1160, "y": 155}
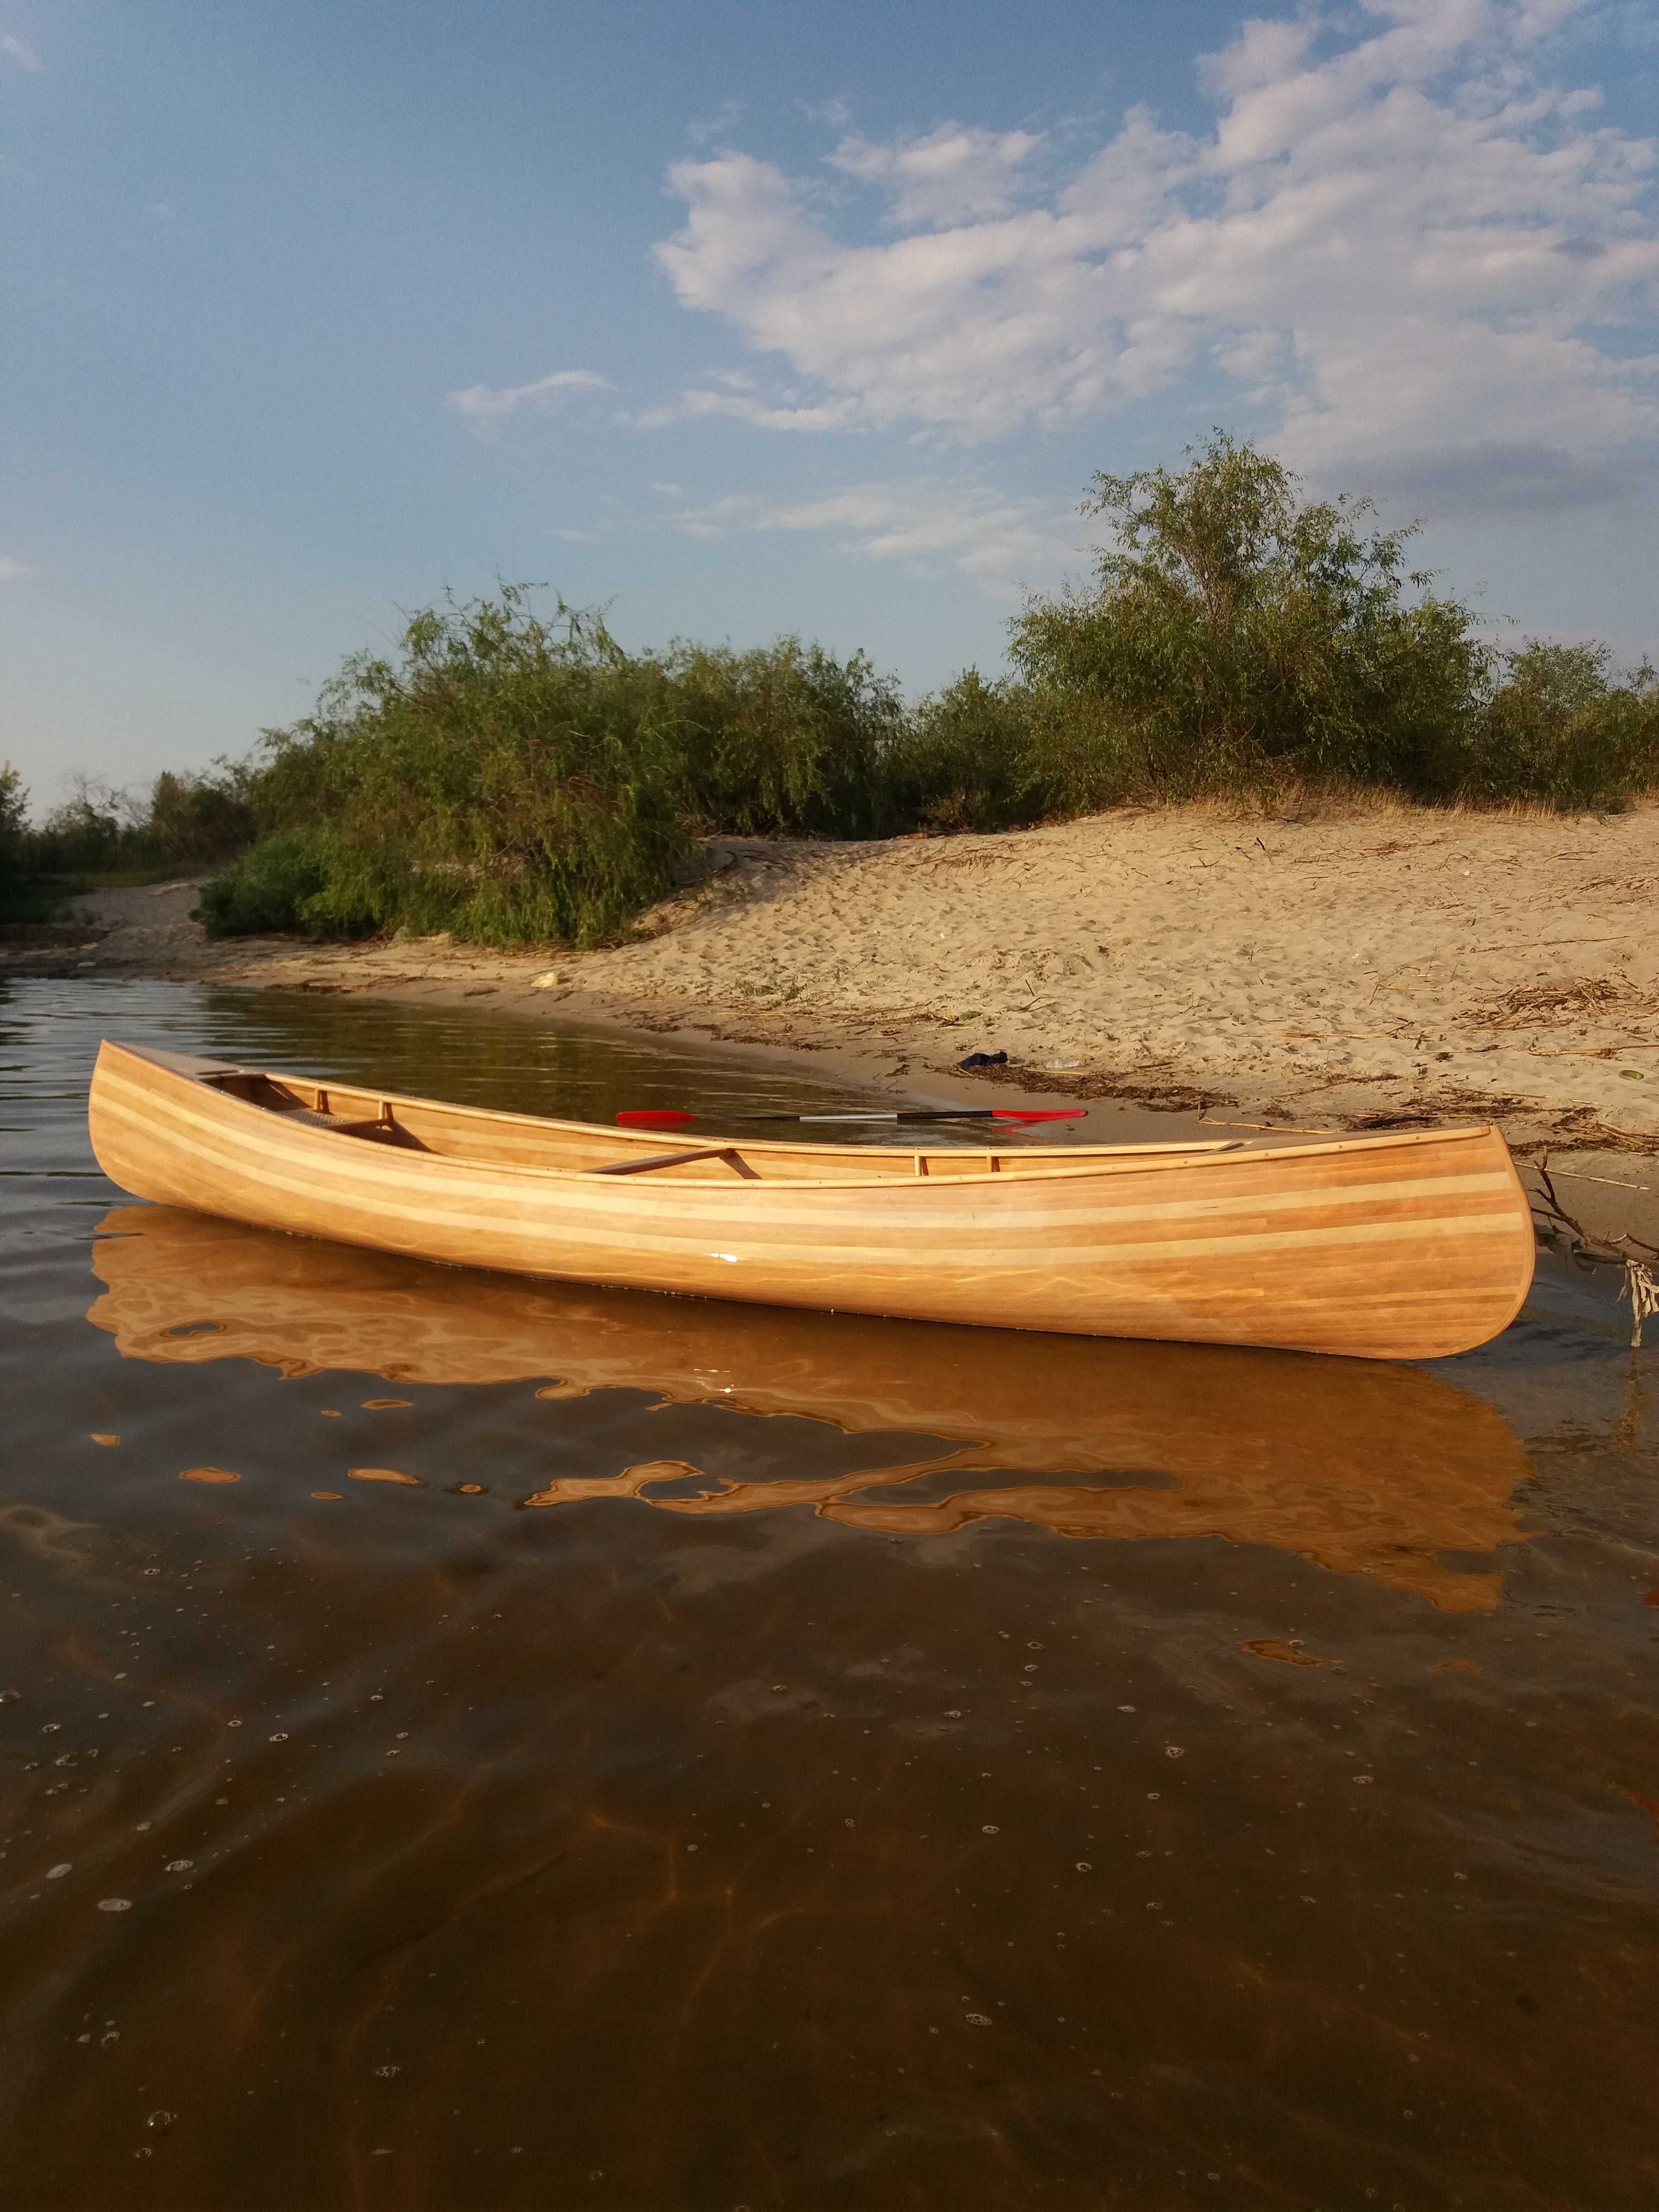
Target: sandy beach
{"x": 1382, "y": 964}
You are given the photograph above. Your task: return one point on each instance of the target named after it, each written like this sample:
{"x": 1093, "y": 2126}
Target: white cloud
{"x": 953, "y": 175}
{"x": 1414, "y": 256}
{"x": 482, "y": 406}
{"x": 19, "y": 50}
{"x": 715, "y": 128}
{"x": 699, "y": 402}
{"x": 999, "y": 541}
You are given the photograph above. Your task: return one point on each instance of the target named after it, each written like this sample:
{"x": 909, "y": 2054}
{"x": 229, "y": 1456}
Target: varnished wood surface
{"x": 1398, "y": 1247}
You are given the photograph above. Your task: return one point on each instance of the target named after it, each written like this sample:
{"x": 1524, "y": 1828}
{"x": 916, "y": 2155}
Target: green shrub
{"x": 970, "y": 759}
{"x": 507, "y": 778}
{"x": 271, "y": 888}
{"x": 785, "y": 740}
{"x": 87, "y": 834}
{"x": 187, "y": 820}
{"x": 1562, "y": 730}
{"x": 15, "y": 868}
{"x": 196, "y": 819}
{"x": 1235, "y": 637}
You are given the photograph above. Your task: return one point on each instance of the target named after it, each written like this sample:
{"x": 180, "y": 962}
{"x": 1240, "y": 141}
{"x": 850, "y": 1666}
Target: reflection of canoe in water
{"x": 1402, "y": 1247}
{"x": 1365, "y": 1468}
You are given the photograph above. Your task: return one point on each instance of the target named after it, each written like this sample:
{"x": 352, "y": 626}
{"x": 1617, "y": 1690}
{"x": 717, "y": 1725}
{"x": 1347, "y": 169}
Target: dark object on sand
{"x": 984, "y": 1059}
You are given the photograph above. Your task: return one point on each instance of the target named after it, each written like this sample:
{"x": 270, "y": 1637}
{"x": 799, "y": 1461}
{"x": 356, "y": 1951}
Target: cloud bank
{"x": 1410, "y": 257}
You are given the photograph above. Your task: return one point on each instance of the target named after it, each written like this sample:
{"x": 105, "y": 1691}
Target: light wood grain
{"x": 1395, "y": 1247}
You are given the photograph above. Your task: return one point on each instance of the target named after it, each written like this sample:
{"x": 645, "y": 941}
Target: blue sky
{"x": 753, "y": 318}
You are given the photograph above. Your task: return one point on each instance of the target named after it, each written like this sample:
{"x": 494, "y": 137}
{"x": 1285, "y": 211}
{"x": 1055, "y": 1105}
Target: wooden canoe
{"x": 1404, "y": 1247}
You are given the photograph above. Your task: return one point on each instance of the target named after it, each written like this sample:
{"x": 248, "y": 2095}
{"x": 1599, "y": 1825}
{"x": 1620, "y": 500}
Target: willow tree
{"x": 1237, "y": 635}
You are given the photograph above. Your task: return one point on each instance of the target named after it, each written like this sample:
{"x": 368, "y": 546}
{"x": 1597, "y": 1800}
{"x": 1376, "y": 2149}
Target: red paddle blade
{"x": 1047, "y": 1114}
{"x": 656, "y": 1117}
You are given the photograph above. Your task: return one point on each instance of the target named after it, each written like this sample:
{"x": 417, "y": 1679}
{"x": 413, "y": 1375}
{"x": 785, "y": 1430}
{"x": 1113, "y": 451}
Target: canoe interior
{"x": 520, "y": 1141}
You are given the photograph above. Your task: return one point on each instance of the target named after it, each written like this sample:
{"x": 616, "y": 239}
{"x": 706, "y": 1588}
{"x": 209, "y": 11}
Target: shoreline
{"x": 1378, "y": 966}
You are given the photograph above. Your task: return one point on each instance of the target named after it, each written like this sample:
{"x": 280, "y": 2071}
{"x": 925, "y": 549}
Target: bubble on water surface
{"x": 207, "y": 1474}
{"x": 384, "y": 1404}
{"x": 115, "y": 1905}
{"x": 98, "y": 1439}
{"x": 63, "y": 1867}
{"x": 383, "y": 1474}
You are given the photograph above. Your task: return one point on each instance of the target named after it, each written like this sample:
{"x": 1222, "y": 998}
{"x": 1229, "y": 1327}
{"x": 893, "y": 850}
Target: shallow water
{"x": 601, "y": 1750}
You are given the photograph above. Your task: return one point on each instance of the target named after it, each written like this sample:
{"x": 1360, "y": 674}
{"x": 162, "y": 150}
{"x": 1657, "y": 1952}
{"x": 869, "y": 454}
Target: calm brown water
{"x": 732, "y": 1759}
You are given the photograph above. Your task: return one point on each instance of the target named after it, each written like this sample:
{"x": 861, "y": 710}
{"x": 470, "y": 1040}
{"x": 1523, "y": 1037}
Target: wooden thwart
{"x": 727, "y": 1153}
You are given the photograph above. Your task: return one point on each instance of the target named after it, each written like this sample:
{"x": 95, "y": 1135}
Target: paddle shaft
{"x": 669, "y": 1118}
{"x": 943, "y": 1113}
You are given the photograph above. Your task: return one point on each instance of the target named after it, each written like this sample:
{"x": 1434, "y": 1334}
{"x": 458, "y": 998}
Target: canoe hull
{"x": 1407, "y": 1247}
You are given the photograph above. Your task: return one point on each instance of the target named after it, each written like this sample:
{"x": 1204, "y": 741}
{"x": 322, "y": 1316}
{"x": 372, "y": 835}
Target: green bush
{"x": 14, "y": 840}
{"x": 274, "y": 887}
{"x": 88, "y": 834}
{"x": 187, "y": 820}
{"x": 1236, "y": 638}
{"x": 507, "y": 778}
{"x": 970, "y": 759}
{"x": 1562, "y": 731}
{"x": 785, "y": 740}
{"x": 196, "y": 819}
